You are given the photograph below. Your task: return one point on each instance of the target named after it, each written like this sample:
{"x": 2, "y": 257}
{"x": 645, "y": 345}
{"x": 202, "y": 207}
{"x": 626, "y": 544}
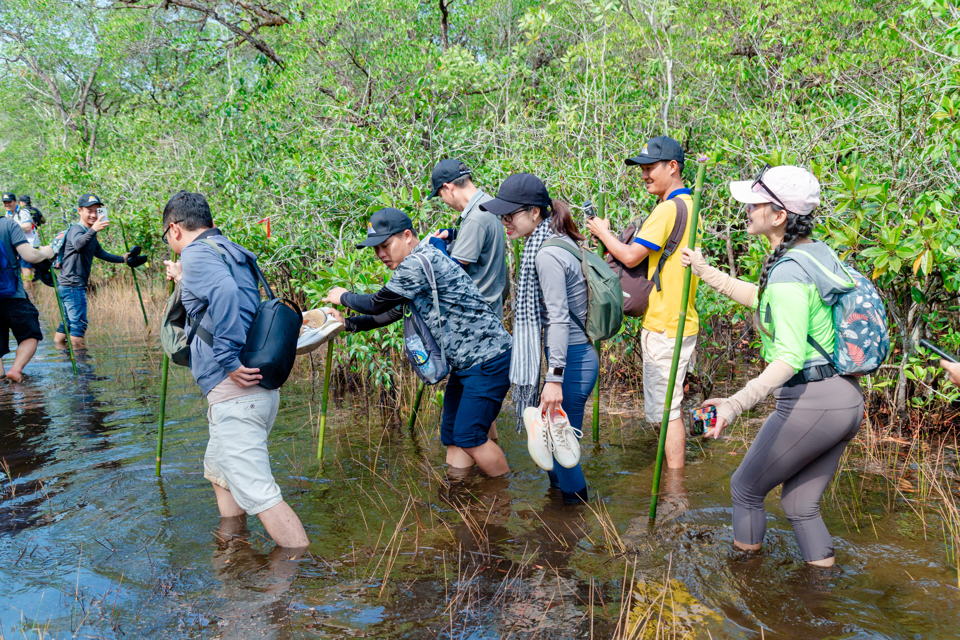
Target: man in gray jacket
{"x": 478, "y": 242}
{"x": 241, "y": 412}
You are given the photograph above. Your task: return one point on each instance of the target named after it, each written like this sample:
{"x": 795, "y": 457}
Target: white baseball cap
{"x": 794, "y": 188}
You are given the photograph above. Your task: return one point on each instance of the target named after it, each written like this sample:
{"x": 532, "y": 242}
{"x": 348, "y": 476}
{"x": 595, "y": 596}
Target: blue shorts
{"x": 75, "y": 305}
{"x": 472, "y": 401}
{"x": 24, "y": 264}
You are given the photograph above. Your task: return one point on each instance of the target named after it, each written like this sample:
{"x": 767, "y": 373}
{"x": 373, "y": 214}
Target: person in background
{"x": 818, "y": 411}
{"x": 241, "y": 413}
{"x": 17, "y": 313}
{"x": 24, "y": 216}
{"x": 80, "y": 246}
{"x": 478, "y": 242}
{"x": 476, "y": 345}
{"x": 552, "y": 301}
{"x": 10, "y": 203}
{"x": 661, "y": 167}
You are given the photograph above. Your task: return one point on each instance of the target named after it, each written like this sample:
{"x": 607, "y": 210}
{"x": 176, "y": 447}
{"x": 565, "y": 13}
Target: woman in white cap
{"x": 818, "y": 411}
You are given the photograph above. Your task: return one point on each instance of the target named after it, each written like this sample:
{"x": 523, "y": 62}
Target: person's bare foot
{"x": 15, "y": 376}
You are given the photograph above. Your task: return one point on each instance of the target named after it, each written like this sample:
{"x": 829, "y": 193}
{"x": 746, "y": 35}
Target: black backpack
{"x": 272, "y": 339}
{"x": 37, "y": 216}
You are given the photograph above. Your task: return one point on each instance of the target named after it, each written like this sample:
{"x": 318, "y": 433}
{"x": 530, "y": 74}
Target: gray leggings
{"x": 799, "y": 446}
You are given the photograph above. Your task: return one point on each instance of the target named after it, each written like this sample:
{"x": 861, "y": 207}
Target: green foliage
{"x": 315, "y": 113}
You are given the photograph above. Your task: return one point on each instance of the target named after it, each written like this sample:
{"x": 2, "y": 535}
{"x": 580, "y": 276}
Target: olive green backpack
{"x": 604, "y": 293}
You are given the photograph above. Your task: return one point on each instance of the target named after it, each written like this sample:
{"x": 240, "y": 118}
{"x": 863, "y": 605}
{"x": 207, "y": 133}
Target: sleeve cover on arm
{"x": 773, "y": 377}
{"x": 355, "y": 324}
{"x": 372, "y": 303}
{"x": 739, "y": 291}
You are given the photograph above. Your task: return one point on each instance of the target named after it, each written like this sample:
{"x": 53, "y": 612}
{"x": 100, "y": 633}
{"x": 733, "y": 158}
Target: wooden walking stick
{"x": 678, "y": 341}
{"x": 133, "y": 272}
{"x": 63, "y": 310}
{"x": 601, "y": 211}
{"x": 328, "y": 365}
{"x": 165, "y": 371}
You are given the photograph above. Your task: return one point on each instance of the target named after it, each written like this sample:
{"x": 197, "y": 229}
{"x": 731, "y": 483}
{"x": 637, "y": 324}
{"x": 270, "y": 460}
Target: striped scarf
{"x": 527, "y": 339}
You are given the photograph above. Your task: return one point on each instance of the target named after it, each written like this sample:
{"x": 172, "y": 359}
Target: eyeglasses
{"x": 508, "y": 218}
{"x": 759, "y": 181}
{"x": 167, "y": 230}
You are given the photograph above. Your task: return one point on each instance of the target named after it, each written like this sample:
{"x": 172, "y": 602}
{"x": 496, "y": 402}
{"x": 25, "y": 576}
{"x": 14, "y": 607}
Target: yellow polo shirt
{"x": 663, "y": 310}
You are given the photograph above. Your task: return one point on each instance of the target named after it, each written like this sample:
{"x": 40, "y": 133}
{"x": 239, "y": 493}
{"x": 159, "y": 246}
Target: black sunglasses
{"x": 759, "y": 181}
{"x": 167, "y": 230}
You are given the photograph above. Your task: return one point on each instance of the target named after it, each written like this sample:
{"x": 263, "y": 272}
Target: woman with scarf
{"x": 551, "y": 301}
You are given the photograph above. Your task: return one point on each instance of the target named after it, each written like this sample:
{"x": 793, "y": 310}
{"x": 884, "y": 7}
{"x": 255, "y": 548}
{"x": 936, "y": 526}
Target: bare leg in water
{"x": 280, "y": 521}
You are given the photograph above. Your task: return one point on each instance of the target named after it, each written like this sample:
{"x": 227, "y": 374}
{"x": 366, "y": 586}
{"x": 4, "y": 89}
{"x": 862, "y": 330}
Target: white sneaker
{"x": 539, "y": 443}
{"x": 566, "y": 440}
{"x": 319, "y": 327}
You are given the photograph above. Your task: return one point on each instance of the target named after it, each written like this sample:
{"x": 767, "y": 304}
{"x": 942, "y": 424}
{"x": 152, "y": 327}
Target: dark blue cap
{"x": 518, "y": 191}
{"x": 383, "y": 224}
{"x": 446, "y": 171}
{"x": 657, "y": 149}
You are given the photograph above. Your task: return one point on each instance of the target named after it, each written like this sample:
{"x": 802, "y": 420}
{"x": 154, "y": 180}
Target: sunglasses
{"x": 759, "y": 181}
{"x": 167, "y": 230}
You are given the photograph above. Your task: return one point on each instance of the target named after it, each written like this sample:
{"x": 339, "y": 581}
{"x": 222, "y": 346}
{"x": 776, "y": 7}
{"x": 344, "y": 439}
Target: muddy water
{"x": 93, "y": 545}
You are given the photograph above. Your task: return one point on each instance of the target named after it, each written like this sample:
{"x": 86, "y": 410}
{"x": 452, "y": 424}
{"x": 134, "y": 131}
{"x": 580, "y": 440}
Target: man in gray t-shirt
{"x": 17, "y": 313}
{"x": 478, "y": 243}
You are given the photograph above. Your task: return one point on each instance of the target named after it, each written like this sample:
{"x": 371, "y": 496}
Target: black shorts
{"x": 20, "y": 316}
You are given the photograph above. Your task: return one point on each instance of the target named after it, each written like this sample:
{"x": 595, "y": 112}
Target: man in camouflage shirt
{"x": 476, "y": 345}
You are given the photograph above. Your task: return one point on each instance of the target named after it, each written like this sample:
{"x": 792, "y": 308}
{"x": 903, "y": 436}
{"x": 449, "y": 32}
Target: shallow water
{"x": 92, "y": 544}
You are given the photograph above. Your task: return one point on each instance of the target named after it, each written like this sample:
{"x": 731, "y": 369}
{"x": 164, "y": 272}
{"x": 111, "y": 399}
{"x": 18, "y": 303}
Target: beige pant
{"x": 236, "y": 457}
{"x": 657, "y": 351}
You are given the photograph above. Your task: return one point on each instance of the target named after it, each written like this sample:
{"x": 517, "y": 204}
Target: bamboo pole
{"x": 165, "y": 371}
{"x": 601, "y": 213}
{"x": 678, "y": 341}
{"x": 328, "y": 365}
{"x": 416, "y": 406}
{"x": 63, "y": 310}
{"x": 123, "y": 233}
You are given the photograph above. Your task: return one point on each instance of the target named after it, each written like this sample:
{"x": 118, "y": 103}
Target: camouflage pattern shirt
{"x": 471, "y": 332}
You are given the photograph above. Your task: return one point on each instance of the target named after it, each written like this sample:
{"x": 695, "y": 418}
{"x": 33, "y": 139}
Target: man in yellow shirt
{"x": 661, "y": 168}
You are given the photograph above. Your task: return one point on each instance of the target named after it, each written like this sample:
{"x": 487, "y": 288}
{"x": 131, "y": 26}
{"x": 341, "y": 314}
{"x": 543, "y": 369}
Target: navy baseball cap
{"x": 656, "y": 150}
{"x": 383, "y": 224}
{"x": 9, "y": 197}
{"x": 25, "y": 200}
{"x": 88, "y": 200}
{"x": 518, "y": 191}
{"x": 446, "y": 171}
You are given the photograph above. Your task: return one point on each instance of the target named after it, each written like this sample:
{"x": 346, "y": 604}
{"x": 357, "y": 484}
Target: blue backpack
{"x": 861, "y": 341}
{"x": 8, "y": 276}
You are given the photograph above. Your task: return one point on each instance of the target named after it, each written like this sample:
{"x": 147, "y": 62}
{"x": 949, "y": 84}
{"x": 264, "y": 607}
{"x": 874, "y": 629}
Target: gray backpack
{"x": 429, "y": 360}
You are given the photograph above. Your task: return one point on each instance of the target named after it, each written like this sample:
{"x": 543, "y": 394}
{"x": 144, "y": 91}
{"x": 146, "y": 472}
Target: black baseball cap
{"x": 383, "y": 224}
{"x": 657, "y": 149}
{"x": 9, "y": 197}
{"x": 518, "y": 191}
{"x": 446, "y": 171}
{"x": 88, "y": 200}
{"x": 25, "y": 200}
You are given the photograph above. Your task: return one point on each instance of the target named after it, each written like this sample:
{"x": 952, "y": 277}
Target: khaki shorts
{"x": 236, "y": 457}
{"x": 657, "y": 351}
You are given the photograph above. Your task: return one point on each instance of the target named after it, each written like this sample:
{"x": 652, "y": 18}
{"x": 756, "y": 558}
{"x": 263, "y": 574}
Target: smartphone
{"x": 929, "y": 346}
{"x": 102, "y": 215}
{"x": 589, "y": 209}
{"x": 703, "y": 419}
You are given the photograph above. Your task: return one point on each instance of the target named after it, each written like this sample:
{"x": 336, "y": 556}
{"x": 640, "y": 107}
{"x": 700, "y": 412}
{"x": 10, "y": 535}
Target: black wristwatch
{"x": 557, "y": 371}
